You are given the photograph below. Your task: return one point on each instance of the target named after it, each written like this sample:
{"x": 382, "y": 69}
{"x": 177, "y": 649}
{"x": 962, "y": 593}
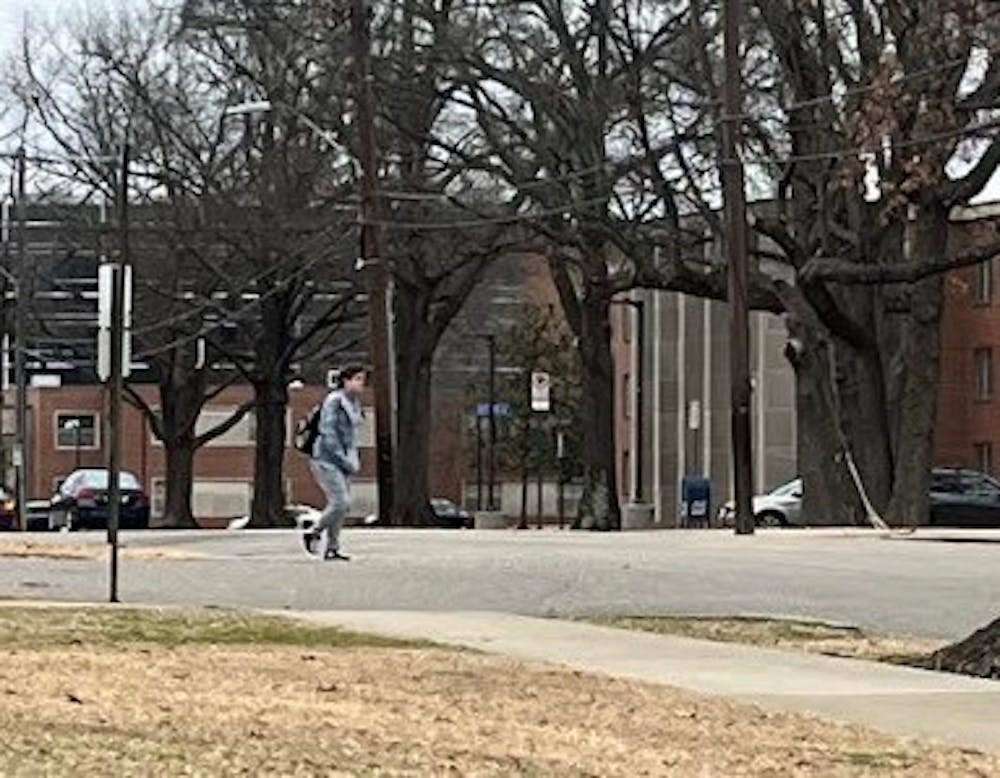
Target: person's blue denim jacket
{"x": 337, "y": 442}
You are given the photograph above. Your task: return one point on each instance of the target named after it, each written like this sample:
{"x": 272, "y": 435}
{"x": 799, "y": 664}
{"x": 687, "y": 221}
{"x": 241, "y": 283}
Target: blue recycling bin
{"x": 696, "y": 501}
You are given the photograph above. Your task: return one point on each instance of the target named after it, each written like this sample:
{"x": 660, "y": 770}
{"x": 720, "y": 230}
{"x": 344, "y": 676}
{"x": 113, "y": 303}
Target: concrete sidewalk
{"x": 898, "y": 700}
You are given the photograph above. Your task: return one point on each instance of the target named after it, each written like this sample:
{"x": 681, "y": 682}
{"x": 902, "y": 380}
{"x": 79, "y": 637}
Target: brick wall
{"x": 971, "y": 321}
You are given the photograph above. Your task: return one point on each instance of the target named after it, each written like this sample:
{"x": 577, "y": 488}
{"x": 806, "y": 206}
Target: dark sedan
{"x": 964, "y": 498}
{"x": 448, "y": 514}
{"x": 82, "y": 502}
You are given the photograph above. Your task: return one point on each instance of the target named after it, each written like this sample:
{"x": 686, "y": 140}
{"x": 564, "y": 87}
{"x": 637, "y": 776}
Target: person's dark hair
{"x": 348, "y": 372}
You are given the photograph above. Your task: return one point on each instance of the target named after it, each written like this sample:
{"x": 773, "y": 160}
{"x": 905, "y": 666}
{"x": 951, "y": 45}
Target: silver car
{"x": 781, "y": 507}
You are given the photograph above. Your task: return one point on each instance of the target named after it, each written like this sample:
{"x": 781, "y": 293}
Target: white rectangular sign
{"x": 541, "y": 385}
{"x": 105, "y": 288}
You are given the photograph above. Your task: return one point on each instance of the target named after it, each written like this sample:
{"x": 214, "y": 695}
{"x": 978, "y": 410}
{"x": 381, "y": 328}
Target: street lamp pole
{"x": 492, "y": 411}
{"x": 375, "y": 263}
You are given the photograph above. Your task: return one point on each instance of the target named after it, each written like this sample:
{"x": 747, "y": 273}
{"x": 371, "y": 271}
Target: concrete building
{"x": 682, "y": 374}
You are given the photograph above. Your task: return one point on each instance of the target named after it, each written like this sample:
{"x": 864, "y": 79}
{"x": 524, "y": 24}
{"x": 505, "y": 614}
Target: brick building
{"x": 968, "y": 417}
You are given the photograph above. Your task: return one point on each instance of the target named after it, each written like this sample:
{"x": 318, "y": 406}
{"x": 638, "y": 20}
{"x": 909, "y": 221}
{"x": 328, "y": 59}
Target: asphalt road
{"x": 922, "y": 585}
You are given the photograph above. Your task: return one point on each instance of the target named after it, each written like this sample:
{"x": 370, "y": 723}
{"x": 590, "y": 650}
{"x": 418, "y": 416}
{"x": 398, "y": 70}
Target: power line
{"x": 235, "y": 315}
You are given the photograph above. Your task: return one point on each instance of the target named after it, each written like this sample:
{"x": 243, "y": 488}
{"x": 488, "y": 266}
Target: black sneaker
{"x": 310, "y": 540}
{"x": 331, "y": 554}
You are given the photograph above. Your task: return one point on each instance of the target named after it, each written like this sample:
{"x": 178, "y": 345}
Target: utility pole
{"x": 735, "y": 242}
{"x": 20, "y": 342}
{"x": 117, "y": 370}
{"x": 374, "y": 262}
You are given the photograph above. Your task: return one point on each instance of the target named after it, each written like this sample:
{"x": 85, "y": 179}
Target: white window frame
{"x": 983, "y": 365}
{"x": 984, "y": 282}
{"x": 57, "y": 428}
{"x": 984, "y": 456}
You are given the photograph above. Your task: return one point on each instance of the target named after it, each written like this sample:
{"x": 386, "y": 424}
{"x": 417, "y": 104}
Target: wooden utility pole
{"x": 374, "y": 263}
{"x": 735, "y": 242}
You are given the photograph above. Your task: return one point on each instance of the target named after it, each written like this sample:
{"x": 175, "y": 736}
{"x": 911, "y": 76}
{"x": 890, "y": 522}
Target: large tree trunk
{"x": 829, "y": 497}
{"x": 177, "y": 512}
{"x": 268, "y": 508}
{"x": 978, "y": 654}
{"x": 412, "y": 508}
{"x": 599, "y": 508}
{"x": 181, "y": 401}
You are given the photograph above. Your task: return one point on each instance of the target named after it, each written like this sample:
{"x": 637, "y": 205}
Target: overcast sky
{"x": 14, "y": 12}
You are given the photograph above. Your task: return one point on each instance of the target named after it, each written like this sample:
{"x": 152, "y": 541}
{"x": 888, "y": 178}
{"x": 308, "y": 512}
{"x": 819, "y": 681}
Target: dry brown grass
{"x": 105, "y": 693}
{"x": 88, "y": 551}
{"x": 793, "y": 634}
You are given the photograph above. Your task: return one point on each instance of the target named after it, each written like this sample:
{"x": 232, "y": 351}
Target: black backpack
{"x": 307, "y": 430}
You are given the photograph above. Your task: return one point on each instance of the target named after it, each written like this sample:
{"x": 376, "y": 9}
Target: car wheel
{"x": 769, "y": 519}
{"x": 57, "y": 520}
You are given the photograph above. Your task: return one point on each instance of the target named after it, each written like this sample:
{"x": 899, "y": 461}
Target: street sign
{"x": 105, "y": 284}
{"x": 541, "y": 385}
{"x": 500, "y": 410}
{"x": 694, "y": 414}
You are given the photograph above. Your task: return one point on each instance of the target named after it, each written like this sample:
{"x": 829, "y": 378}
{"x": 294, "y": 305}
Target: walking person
{"x": 334, "y": 459}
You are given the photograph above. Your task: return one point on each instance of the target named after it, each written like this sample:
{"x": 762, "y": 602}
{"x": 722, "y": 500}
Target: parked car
{"x": 964, "y": 498}
{"x": 450, "y": 515}
{"x": 959, "y": 497}
{"x": 8, "y": 510}
{"x": 446, "y": 514}
{"x": 82, "y": 502}
{"x": 37, "y": 515}
{"x": 781, "y": 507}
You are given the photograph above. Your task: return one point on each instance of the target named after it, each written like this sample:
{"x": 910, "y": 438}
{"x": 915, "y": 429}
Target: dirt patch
{"x": 154, "y": 709}
{"x": 799, "y": 635}
{"x": 86, "y": 551}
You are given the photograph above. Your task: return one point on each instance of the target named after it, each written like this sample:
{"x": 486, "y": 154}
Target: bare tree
{"x": 859, "y": 115}
{"x": 215, "y": 252}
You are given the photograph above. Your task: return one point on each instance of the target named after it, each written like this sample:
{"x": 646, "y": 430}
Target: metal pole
{"x": 540, "y": 486}
{"x": 378, "y": 277}
{"x": 492, "y": 462}
{"x": 640, "y": 312}
{"x": 117, "y": 342}
{"x": 735, "y": 240}
{"x": 20, "y": 342}
{"x": 479, "y": 461}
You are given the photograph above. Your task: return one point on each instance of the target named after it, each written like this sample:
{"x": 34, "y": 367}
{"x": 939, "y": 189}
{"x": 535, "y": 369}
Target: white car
{"x": 781, "y": 507}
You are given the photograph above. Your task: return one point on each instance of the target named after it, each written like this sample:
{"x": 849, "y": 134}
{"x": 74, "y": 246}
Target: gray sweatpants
{"x": 337, "y": 489}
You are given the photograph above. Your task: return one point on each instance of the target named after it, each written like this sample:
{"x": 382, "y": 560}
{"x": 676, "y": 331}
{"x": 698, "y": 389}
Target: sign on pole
{"x": 541, "y": 385}
{"x": 694, "y": 415}
{"x": 105, "y": 285}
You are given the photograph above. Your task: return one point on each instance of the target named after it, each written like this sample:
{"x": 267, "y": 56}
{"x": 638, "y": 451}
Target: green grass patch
{"x": 884, "y": 760}
{"x": 38, "y": 628}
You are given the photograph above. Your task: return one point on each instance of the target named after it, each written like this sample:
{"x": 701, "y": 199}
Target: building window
{"x": 984, "y": 282}
{"x": 984, "y": 457}
{"x": 627, "y": 396}
{"x": 77, "y": 430}
{"x": 984, "y": 373}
